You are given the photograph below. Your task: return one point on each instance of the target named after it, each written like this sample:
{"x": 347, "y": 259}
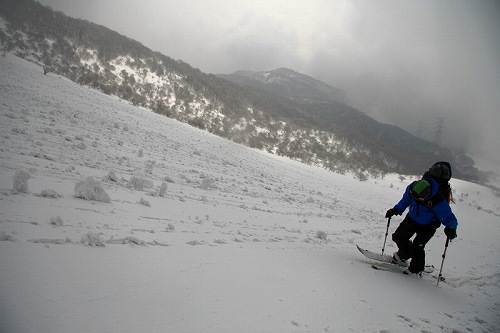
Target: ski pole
{"x": 442, "y": 262}
{"x": 386, "y": 233}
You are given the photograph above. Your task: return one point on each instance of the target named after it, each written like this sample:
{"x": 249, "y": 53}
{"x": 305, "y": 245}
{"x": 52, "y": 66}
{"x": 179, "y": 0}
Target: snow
{"x": 227, "y": 239}
{"x": 90, "y": 57}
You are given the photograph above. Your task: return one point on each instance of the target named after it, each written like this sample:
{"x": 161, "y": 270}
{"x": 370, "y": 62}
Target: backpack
{"x": 441, "y": 173}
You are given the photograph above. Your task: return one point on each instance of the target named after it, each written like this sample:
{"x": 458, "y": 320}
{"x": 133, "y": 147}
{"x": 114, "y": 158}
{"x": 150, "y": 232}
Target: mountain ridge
{"x": 287, "y": 83}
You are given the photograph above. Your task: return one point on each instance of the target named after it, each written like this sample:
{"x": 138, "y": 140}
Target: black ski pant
{"x": 413, "y": 250}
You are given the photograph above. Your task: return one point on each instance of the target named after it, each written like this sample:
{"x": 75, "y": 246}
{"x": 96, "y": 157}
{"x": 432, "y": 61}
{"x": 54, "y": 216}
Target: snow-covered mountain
{"x": 195, "y": 233}
{"x": 305, "y": 125}
{"x": 288, "y": 83}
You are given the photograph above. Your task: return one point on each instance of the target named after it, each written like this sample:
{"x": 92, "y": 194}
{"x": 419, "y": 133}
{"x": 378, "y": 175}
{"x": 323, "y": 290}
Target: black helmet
{"x": 441, "y": 170}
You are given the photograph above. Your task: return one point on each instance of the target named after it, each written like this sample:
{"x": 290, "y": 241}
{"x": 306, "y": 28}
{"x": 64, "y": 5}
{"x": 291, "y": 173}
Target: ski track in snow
{"x": 241, "y": 241}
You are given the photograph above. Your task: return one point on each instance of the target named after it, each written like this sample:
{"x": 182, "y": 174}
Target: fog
{"x": 404, "y": 62}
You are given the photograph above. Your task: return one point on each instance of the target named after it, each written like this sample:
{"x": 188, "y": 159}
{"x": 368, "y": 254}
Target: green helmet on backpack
{"x": 421, "y": 189}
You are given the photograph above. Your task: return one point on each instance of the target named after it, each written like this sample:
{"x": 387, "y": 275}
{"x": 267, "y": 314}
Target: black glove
{"x": 390, "y": 213}
{"x": 450, "y": 233}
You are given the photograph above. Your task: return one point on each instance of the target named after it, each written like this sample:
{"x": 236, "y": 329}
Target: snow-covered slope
{"x": 240, "y": 240}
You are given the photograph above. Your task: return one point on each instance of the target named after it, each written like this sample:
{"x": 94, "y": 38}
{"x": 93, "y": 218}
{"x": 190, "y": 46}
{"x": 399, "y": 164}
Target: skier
{"x": 428, "y": 200}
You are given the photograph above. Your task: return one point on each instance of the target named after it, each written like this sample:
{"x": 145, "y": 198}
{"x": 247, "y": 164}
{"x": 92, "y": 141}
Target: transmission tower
{"x": 439, "y": 130}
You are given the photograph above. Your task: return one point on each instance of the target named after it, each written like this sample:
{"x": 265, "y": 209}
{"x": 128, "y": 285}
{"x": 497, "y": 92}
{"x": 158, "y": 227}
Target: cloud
{"x": 258, "y": 42}
{"x": 410, "y": 62}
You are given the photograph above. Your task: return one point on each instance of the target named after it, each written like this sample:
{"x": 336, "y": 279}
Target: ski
{"x": 391, "y": 268}
{"x": 398, "y": 269}
{"x": 384, "y": 263}
{"x": 378, "y": 257}
{"x": 426, "y": 274}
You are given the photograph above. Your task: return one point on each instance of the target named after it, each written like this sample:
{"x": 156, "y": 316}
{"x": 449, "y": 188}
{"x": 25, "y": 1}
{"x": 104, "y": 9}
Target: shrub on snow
{"x": 91, "y": 189}
{"x": 57, "y": 221}
{"x": 111, "y": 177}
{"x": 92, "y": 239}
{"x": 136, "y": 183}
{"x": 127, "y": 240}
{"x": 21, "y": 181}
{"x": 168, "y": 179}
{"x": 48, "y": 193}
{"x": 144, "y": 202}
{"x": 80, "y": 145}
{"x": 321, "y": 235}
{"x": 163, "y": 189}
{"x": 149, "y": 166}
{"x": 4, "y": 237}
{"x": 207, "y": 184}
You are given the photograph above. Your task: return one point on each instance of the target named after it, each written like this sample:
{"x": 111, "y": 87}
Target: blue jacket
{"x": 424, "y": 215}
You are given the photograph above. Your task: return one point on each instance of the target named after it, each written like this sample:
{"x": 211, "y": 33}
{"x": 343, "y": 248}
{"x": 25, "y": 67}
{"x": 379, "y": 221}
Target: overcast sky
{"x": 403, "y": 62}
